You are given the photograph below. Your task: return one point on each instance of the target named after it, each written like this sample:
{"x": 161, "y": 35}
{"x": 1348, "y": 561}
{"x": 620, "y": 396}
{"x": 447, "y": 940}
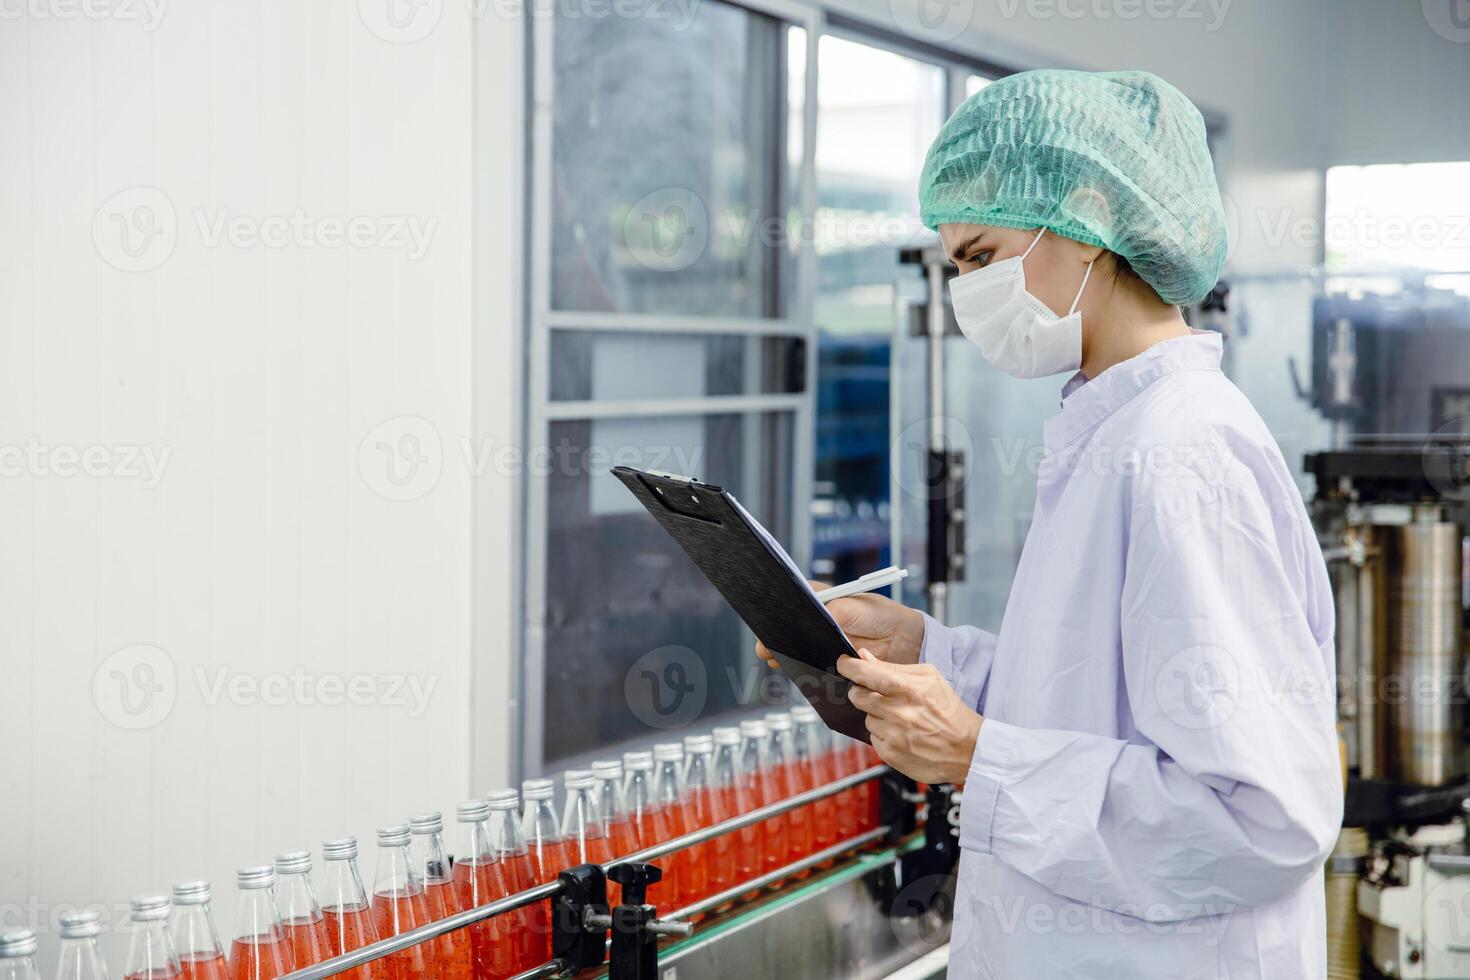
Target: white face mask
{"x": 1017, "y": 332}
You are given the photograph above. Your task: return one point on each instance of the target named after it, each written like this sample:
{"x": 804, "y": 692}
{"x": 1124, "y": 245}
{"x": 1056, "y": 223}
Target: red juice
{"x": 157, "y": 973}
{"x": 548, "y": 859}
{"x": 348, "y": 929}
{"x": 519, "y": 873}
{"x": 622, "y": 841}
{"x": 655, "y": 826}
{"x": 203, "y": 966}
{"x": 259, "y": 958}
{"x": 692, "y": 871}
{"x": 398, "y": 912}
{"x": 453, "y": 950}
{"x": 309, "y": 940}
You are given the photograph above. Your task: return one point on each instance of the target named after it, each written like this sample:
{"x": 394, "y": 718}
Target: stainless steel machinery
{"x": 1392, "y": 375}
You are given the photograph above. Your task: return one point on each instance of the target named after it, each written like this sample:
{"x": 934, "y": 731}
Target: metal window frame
{"x": 542, "y": 320}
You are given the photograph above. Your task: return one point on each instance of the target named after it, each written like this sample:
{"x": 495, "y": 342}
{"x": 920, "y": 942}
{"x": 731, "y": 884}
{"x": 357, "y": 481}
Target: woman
{"x": 1147, "y": 746}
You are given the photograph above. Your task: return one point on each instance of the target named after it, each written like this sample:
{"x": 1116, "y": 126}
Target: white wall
{"x": 269, "y": 543}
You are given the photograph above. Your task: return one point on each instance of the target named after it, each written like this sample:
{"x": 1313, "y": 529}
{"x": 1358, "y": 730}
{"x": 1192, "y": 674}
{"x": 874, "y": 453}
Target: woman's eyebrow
{"x": 965, "y": 246}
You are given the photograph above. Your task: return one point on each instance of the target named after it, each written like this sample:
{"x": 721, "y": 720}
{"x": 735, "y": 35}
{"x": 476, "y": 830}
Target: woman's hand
{"x": 891, "y": 630}
{"x": 919, "y": 725}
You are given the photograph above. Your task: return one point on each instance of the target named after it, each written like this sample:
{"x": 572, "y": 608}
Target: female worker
{"x": 1151, "y": 777}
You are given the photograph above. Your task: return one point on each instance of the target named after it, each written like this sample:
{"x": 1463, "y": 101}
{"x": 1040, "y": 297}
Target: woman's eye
{"x": 982, "y": 259}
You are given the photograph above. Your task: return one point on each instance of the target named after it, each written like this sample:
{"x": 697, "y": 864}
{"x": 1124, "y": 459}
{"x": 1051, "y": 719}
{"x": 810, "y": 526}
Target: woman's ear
{"x": 1088, "y": 207}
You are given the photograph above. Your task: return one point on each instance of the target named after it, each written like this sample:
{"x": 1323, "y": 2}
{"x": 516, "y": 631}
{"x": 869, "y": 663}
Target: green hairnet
{"x": 1114, "y": 159}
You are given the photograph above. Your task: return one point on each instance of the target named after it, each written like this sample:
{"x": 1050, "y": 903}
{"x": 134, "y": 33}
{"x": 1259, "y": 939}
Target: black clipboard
{"x": 760, "y": 582}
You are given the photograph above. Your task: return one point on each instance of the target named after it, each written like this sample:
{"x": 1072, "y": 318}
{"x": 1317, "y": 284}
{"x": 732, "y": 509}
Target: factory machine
{"x": 1391, "y": 374}
{"x": 874, "y": 905}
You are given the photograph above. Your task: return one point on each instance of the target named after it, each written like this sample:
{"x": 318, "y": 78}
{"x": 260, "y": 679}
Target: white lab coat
{"x": 1157, "y": 781}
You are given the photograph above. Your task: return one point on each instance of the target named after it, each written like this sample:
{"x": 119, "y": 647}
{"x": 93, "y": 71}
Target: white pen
{"x": 869, "y": 582}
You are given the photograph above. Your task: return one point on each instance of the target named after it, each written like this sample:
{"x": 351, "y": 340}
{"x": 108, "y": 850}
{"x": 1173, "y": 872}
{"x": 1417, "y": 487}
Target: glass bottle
{"x": 18, "y": 955}
{"x": 548, "y": 853}
{"x": 80, "y": 958}
{"x": 692, "y": 872}
{"x": 193, "y": 934}
{"x": 651, "y": 821}
{"x": 738, "y": 792}
{"x": 150, "y": 953}
{"x": 707, "y": 808}
{"x": 301, "y": 916}
{"x": 399, "y": 905}
{"x": 260, "y": 950}
{"x": 815, "y": 769}
{"x": 509, "y": 841}
{"x": 430, "y": 863}
{"x": 617, "y": 825}
{"x": 782, "y": 760}
{"x": 345, "y": 908}
{"x": 765, "y": 790}
{"x": 582, "y": 826}
{"x": 478, "y": 880}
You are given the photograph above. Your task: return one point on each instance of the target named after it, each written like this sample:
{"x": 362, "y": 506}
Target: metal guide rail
{"x": 581, "y": 919}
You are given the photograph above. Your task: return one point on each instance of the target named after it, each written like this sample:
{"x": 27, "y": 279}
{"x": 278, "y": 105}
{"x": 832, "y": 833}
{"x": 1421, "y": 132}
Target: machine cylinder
{"x": 1425, "y": 655}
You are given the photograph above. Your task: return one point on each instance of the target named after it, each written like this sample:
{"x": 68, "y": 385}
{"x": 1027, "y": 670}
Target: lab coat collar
{"x": 1086, "y": 403}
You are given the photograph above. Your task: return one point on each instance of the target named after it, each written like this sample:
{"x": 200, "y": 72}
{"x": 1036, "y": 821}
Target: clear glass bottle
{"x": 193, "y": 934}
{"x": 737, "y": 790}
{"x": 548, "y": 852}
{"x": 692, "y": 872}
{"x": 80, "y": 958}
{"x": 755, "y": 737}
{"x": 150, "y": 953}
{"x": 260, "y": 950}
{"x": 399, "y": 905}
{"x": 431, "y": 864}
{"x": 301, "y": 916}
{"x": 509, "y": 841}
{"x": 653, "y": 823}
{"x": 612, "y": 803}
{"x": 782, "y": 760}
{"x": 18, "y": 955}
{"x": 707, "y": 808}
{"x": 478, "y": 880}
{"x": 814, "y": 765}
{"x": 582, "y": 826}
{"x": 345, "y": 908}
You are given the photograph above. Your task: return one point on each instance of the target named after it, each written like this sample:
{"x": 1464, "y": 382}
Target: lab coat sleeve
{"x": 962, "y": 654}
{"x": 1230, "y": 795}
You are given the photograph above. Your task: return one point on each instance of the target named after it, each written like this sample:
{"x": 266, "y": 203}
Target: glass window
{"x": 593, "y": 364}
{"x": 878, "y": 113}
{"x": 1411, "y": 216}
{"x": 637, "y": 640}
{"x": 664, "y": 197}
